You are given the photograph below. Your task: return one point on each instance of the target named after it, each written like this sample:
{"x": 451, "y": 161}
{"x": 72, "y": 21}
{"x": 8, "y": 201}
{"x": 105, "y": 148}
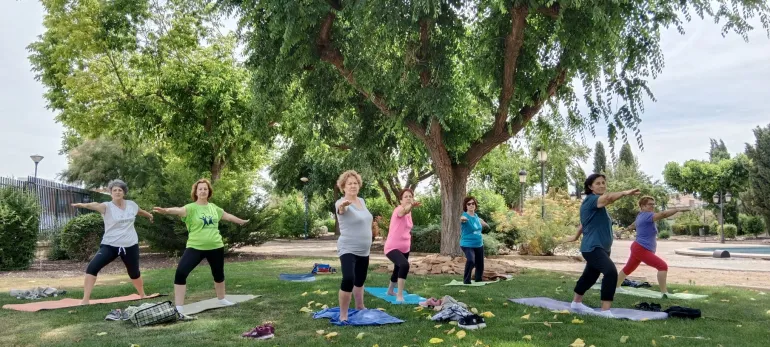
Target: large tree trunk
{"x": 453, "y": 188}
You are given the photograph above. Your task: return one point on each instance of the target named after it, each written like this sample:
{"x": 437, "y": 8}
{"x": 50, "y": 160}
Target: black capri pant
{"x": 107, "y": 253}
{"x": 400, "y": 264}
{"x": 192, "y": 257}
{"x": 354, "y": 269}
{"x": 598, "y": 262}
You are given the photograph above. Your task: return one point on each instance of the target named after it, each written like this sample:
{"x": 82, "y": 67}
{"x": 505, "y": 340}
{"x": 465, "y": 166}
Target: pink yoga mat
{"x": 63, "y": 303}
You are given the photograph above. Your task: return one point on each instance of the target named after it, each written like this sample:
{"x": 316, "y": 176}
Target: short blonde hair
{"x": 194, "y": 192}
{"x": 344, "y": 178}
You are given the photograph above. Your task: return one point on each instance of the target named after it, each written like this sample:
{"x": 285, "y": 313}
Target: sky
{"x": 711, "y": 87}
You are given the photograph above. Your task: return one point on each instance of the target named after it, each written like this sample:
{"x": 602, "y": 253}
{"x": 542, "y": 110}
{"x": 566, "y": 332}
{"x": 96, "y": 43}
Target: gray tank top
{"x": 355, "y": 230}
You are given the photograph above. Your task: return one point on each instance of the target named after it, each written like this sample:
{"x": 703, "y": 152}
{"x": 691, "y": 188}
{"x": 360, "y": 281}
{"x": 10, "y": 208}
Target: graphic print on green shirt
{"x": 203, "y": 226}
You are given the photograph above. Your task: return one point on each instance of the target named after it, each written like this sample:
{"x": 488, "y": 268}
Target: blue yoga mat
{"x": 357, "y": 317}
{"x": 380, "y": 292}
{"x": 297, "y": 277}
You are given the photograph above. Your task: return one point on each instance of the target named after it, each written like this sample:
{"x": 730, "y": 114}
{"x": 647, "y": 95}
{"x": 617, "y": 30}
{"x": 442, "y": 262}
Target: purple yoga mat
{"x": 620, "y": 313}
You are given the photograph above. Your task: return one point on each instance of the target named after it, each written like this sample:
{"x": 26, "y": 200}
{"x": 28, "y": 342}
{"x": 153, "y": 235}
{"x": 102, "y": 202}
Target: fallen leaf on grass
{"x": 360, "y": 336}
{"x": 304, "y": 294}
{"x": 450, "y": 331}
{"x": 623, "y": 339}
{"x": 318, "y": 304}
{"x": 418, "y": 308}
{"x": 123, "y": 282}
{"x": 527, "y": 337}
{"x": 724, "y": 300}
{"x": 762, "y": 293}
{"x": 453, "y": 322}
{"x": 489, "y": 299}
{"x": 740, "y": 326}
{"x": 505, "y": 304}
{"x": 73, "y": 311}
{"x": 134, "y": 345}
{"x": 324, "y": 307}
{"x": 305, "y": 309}
{"x": 478, "y": 343}
{"x": 768, "y": 311}
{"x": 238, "y": 286}
{"x": 438, "y": 326}
{"x": 578, "y": 343}
{"x": 310, "y": 303}
{"x": 375, "y": 345}
{"x": 331, "y": 334}
{"x": 547, "y": 324}
{"x": 560, "y": 312}
{"x": 462, "y": 290}
{"x": 319, "y": 332}
{"x": 324, "y": 292}
{"x": 653, "y": 343}
{"x": 101, "y": 333}
{"x": 460, "y": 334}
{"x": 526, "y": 316}
{"x": 474, "y": 310}
{"x": 487, "y": 314}
{"x": 577, "y": 321}
{"x": 752, "y": 299}
{"x": 435, "y": 340}
{"x": 381, "y": 309}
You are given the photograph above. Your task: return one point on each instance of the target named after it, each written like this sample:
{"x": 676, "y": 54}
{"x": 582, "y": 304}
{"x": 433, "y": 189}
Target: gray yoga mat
{"x": 210, "y": 304}
{"x": 646, "y": 293}
{"x": 620, "y": 313}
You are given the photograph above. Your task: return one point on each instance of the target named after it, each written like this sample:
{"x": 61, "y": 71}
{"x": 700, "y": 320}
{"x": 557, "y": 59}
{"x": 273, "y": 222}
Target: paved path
{"x": 682, "y": 269}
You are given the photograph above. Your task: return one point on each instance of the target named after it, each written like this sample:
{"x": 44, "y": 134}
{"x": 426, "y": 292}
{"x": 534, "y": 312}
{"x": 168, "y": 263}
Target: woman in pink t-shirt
{"x": 399, "y": 241}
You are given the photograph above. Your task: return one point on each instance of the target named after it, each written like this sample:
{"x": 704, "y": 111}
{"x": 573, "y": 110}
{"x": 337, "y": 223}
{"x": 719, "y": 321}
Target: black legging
{"x": 192, "y": 257}
{"x": 401, "y": 264}
{"x": 354, "y": 269}
{"x": 474, "y": 258}
{"x": 107, "y": 253}
{"x": 598, "y": 262}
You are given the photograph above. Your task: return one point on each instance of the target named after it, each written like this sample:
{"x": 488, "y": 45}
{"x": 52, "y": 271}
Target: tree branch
{"x": 425, "y": 74}
{"x": 552, "y": 11}
{"x": 386, "y": 192}
{"x": 492, "y": 138}
{"x": 513, "y": 42}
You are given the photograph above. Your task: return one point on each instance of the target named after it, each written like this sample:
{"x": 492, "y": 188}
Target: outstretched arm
{"x": 174, "y": 211}
{"x": 609, "y": 198}
{"x": 93, "y": 206}
{"x": 483, "y": 223}
{"x": 668, "y": 213}
{"x": 631, "y": 227}
{"x": 146, "y": 214}
{"x": 230, "y": 218}
{"x": 408, "y": 208}
{"x": 576, "y": 236}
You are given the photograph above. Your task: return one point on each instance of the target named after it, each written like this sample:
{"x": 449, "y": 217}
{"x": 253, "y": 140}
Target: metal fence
{"x": 55, "y": 200}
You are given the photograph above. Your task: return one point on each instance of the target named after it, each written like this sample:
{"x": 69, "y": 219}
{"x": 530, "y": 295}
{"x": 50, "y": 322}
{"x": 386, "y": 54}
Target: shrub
{"x": 57, "y": 252}
{"x": 663, "y": 225}
{"x": 754, "y": 226}
{"x": 532, "y": 234}
{"x": 426, "y": 239}
{"x": 429, "y": 212}
{"x": 82, "y": 235}
{"x": 19, "y": 225}
{"x": 290, "y": 219}
{"x": 664, "y": 235}
{"x": 730, "y": 231}
{"x": 491, "y": 244}
{"x": 490, "y": 203}
{"x": 679, "y": 229}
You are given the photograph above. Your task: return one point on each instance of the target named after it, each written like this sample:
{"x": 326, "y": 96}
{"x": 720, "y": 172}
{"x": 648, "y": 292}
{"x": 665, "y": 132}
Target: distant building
{"x": 684, "y": 200}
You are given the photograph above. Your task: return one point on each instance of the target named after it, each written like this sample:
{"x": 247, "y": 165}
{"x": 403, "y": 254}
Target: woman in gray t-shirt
{"x": 354, "y": 242}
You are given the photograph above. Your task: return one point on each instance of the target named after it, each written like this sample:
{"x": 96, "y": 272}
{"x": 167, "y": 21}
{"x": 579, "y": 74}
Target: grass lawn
{"x": 731, "y": 317}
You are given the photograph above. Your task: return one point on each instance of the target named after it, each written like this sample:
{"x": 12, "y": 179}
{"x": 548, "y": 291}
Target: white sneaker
{"x": 579, "y": 306}
{"x": 225, "y": 302}
{"x": 606, "y": 314}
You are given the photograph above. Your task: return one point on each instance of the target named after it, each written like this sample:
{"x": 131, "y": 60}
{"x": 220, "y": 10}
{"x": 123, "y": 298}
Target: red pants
{"x": 640, "y": 254}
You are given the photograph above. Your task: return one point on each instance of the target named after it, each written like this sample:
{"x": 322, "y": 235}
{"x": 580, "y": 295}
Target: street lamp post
{"x": 542, "y": 157}
{"x": 37, "y": 159}
{"x": 304, "y": 195}
{"x": 720, "y": 199}
{"x": 522, "y": 181}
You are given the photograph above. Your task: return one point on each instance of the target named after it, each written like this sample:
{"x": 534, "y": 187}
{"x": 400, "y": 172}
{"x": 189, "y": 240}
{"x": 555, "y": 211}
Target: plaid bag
{"x": 156, "y": 313}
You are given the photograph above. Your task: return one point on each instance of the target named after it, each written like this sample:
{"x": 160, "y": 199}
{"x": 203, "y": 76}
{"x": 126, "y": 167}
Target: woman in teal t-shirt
{"x": 204, "y": 240}
{"x": 470, "y": 240}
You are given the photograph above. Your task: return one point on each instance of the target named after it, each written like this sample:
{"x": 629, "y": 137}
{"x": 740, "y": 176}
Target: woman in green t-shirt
{"x": 204, "y": 240}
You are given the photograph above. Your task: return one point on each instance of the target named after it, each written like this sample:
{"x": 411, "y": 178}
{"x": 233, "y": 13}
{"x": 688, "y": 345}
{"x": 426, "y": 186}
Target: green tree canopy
{"x": 151, "y": 73}
{"x": 465, "y": 76}
{"x": 759, "y": 174}
{"x": 600, "y": 158}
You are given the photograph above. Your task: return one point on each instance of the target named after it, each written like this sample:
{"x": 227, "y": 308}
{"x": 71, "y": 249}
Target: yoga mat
{"x": 297, "y": 277}
{"x": 646, "y": 293}
{"x": 620, "y": 313}
{"x": 473, "y": 283}
{"x": 64, "y": 303}
{"x": 381, "y": 292}
{"x": 210, "y": 304}
{"x": 357, "y": 317}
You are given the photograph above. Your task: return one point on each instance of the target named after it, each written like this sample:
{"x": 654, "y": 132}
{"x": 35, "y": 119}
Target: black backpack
{"x": 683, "y": 312}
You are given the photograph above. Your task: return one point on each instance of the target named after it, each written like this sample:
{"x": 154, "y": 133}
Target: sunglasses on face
{"x": 470, "y": 204}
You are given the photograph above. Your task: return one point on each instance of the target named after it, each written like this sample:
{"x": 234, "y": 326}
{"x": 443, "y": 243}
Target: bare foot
{"x": 400, "y": 298}
{"x": 391, "y": 293}
{"x": 85, "y": 302}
